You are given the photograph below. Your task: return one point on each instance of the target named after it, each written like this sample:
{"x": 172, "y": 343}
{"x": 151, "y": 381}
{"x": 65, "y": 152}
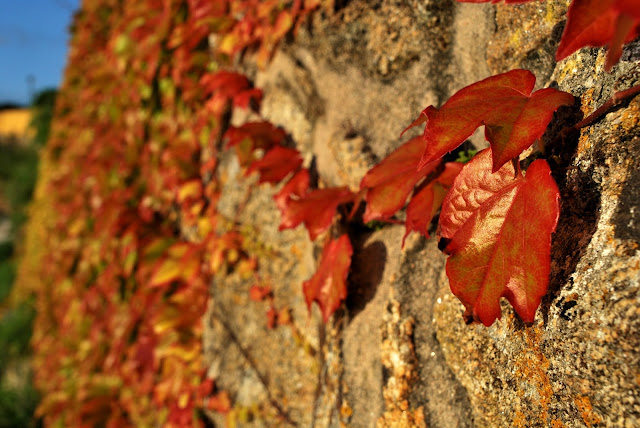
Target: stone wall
{"x": 398, "y": 352}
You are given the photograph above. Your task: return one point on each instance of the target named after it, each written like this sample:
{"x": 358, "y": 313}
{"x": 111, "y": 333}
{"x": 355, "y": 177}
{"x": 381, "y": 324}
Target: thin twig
{"x": 261, "y": 377}
{"x": 617, "y": 98}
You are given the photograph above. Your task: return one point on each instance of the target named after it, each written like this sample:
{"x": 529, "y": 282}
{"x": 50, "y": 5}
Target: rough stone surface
{"x": 398, "y": 352}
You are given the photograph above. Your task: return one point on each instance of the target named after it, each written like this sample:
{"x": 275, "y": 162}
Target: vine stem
{"x": 617, "y": 98}
{"x": 261, "y": 377}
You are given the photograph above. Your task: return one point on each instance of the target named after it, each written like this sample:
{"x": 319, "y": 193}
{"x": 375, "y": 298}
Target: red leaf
{"x": 327, "y": 286}
{"x": 422, "y": 208}
{"x": 284, "y": 316}
{"x": 224, "y": 83}
{"x": 499, "y": 229}
{"x": 390, "y": 182}
{"x": 251, "y": 136}
{"x": 249, "y": 98}
{"x": 600, "y": 23}
{"x": 276, "y": 164}
{"x": 315, "y": 209}
{"x": 426, "y": 201}
{"x": 451, "y": 171}
{"x": 220, "y": 402}
{"x": 296, "y": 186}
{"x": 258, "y": 293}
{"x": 513, "y": 117}
{"x": 263, "y": 135}
{"x": 272, "y": 318}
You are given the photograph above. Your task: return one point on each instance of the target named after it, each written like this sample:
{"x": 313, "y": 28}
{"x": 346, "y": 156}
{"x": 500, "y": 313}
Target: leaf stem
{"x": 617, "y": 98}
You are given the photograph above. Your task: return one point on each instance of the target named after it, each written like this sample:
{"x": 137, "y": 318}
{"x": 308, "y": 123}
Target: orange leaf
{"x": 497, "y": 230}
{"x": 513, "y": 115}
{"x": 316, "y": 209}
{"x": 327, "y": 286}
{"x": 389, "y": 183}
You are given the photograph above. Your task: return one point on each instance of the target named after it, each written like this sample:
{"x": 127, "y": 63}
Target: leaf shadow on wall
{"x": 579, "y": 208}
{"x": 367, "y": 268}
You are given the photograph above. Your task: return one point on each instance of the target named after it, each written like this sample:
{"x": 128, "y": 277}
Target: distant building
{"x": 14, "y": 124}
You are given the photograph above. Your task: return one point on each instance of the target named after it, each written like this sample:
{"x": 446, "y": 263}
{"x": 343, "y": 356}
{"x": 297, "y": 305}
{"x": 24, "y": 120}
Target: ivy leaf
{"x": 389, "y": 183}
{"x": 296, "y": 186}
{"x": 497, "y": 230}
{"x": 258, "y": 293}
{"x": 513, "y": 116}
{"x": 599, "y": 23}
{"x": 427, "y": 200}
{"x": 423, "y": 206}
{"x": 276, "y": 164}
{"x": 181, "y": 262}
{"x": 327, "y": 286}
{"x": 228, "y": 85}
{"x": 315, "y": 209}
{"x": 250, "y": 136}
{"x": 263, "y": 135}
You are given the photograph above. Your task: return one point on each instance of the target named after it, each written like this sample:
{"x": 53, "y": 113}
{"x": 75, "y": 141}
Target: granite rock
{"x": 398, "y": 352}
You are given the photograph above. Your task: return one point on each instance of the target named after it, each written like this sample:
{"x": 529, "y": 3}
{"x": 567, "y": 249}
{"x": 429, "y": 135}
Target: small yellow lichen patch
{"x": 586, "y": 411}
{"x": 532, "y": 367}
{"x": 557, "y": 424}
{"x": 631, "y": 115}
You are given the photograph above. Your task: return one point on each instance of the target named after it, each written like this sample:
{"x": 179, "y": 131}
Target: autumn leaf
{"x": 250, "y": 136}
{"x": 281, "y": 27}
{"x": 497, "y": 230}
{"x": 250, "y": 98}
{"x": 389, "y": 183}
{"x": 598, "y": 23}
{"x": 276, "y": 164}
{"x": 228, "y": 85}
{"x": 220, "y": 402}
{"x": 327, "y": 287}
{"x": 297, "y": 186}
{"x": 423, "y": 206}
{"x": 190, "y": 190}
{"x": 513, "y": 116}
{"x": 258, "y": 293}
{"x": 225, "y": 84}
{"x": 315, "y": 209}
{"x": 272, "y": 318}
{"x": 428, "y": 199}
{"x": 263, "y": 135}
{"x": 181, "y": 261}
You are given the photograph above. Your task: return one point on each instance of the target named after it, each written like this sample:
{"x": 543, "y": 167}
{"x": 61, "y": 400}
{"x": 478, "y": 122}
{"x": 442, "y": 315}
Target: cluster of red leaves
{"x": 486, "y": 206}
{"x": 496, "y": 224}
{"x": 514, "y": 118}
{"x": 134, "y": 237}
{"x": 497, "y": 228}
{"x": 298, "y": 204}
{"x": 610, "y": 23}
{"x": 259, "y": 25}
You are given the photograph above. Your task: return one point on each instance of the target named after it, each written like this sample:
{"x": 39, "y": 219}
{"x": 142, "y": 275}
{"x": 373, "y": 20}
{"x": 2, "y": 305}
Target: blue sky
{"x": 33, "y": 42}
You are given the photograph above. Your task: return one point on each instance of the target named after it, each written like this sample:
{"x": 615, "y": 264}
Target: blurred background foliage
{"x": 18, "y": 174}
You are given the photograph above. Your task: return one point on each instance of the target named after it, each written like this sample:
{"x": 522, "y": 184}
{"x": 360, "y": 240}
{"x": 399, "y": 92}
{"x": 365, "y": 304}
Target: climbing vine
{"x": 127, "y": 201}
